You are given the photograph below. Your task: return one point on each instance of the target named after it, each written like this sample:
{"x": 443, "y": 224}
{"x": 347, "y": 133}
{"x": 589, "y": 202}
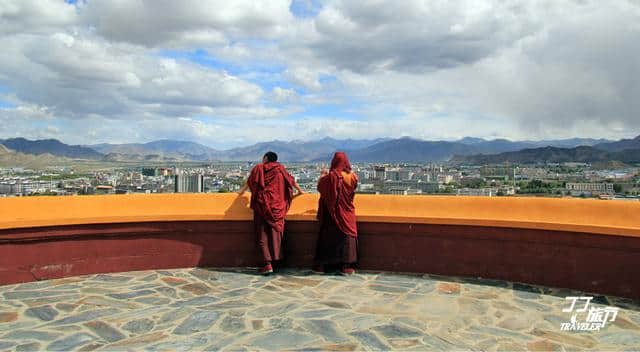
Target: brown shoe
{"x": 318, "y": 269}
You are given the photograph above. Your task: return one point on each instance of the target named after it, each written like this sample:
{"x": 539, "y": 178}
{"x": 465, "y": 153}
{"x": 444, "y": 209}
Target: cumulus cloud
{"x": 436, "y": 69}
{"x": 282, "y": 94}
{"x": 180, "y": 23}
{"x": 76, "y": 75}
{"x": 579, "y": 71}
{"x": 417, "y": 35}
{"x": 304, "y": 77}
{"x": 546, "y": 69}
{"x": 34, "y": 16}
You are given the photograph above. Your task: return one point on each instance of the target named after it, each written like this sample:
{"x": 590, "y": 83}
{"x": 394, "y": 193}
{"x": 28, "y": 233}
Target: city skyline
{"x": 230, "y": 74}
{"x": 568, "y": 179}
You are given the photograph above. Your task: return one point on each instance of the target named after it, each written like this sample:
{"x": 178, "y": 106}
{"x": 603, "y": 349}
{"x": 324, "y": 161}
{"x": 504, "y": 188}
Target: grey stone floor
{"x": 209, "y": 309}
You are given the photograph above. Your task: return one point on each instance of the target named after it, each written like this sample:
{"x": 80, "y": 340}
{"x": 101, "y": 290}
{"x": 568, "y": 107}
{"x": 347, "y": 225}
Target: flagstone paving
{"x": 237, "y": 310}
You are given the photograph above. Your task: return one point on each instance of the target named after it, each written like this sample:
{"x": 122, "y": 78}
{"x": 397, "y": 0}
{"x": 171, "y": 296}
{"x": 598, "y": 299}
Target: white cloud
{"x": 304, "y": 77}
{"x": 284, "y": 95}
{"x": 535, "y": 69}
{"x": 416, "y": 36}
{"x": 78, "y": 76}
{"x": 183, "y": 23}
{"x": 435, "y": 69}
{"x": 34, "y": 16}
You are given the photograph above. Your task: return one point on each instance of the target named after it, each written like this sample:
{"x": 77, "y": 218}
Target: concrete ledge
{"x": 574, "y": 215}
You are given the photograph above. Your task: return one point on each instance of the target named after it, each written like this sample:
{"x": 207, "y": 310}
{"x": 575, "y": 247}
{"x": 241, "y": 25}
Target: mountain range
{"x": 10, "y": 158}
{"x": 179, "y": 150}
{"x": 168, "y": 150}
{"x": 623, "y": 144}
{"x": 468, "y": 150}
{"x": 50, "y": 146}
{"x": 624, "y": 151}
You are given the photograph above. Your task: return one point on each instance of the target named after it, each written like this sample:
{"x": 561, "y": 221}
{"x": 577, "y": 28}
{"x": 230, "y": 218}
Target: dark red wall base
{"x": 592, "y": 263}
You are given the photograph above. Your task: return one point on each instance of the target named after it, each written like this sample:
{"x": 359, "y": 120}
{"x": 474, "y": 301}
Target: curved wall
{"x": 589, "y": 245}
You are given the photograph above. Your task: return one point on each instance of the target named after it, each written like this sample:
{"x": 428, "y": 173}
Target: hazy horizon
{"x": 305, "y": 140}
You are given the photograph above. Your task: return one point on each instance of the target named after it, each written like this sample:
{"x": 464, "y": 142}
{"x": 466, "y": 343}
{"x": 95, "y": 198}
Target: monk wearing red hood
{"x": 337, "y": 241}
{"x": 271, "y": 194}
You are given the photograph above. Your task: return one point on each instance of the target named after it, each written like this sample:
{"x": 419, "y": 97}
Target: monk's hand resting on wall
{"x": 243, "y": 189}
{"x": 297, "y": 187}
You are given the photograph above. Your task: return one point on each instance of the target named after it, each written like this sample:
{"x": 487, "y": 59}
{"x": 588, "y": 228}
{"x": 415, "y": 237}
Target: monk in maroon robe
{"x": 271, "y": 194}
{"x": 337, "y": 241}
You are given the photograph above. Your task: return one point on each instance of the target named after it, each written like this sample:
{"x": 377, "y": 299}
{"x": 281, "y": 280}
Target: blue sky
{"x": 232, "y": 73}
{"x": 305, "y": 8}
{"x": 269, "y": 75}
{"x": 3, "y": 98}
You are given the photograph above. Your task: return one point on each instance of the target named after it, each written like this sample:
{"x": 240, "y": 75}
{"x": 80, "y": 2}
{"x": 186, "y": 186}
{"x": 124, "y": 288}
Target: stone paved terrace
{"x": 209, "y": 309}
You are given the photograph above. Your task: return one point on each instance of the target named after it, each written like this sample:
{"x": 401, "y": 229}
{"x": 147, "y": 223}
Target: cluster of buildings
{"x": 569, "y": 179}
{"x": 400, "y": 179}
{"x": 119, "y": 181}
{"x": 421, "y": 179}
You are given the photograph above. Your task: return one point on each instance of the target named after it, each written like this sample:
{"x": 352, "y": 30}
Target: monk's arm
{"x": 244, "y": 188}
{"x": 297, "y": 187}
{"x": 321, "y": 180}
{"x": 246, "y": 183}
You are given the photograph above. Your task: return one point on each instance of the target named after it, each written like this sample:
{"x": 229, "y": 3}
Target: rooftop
{"x": 235, "y": 309}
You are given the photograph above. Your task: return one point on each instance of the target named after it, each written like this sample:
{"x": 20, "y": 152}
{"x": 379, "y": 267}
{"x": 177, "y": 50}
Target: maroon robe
{"x": 271, "y": 194}
{"x": 336, "y": 195}
{"x": 337, "y": 241}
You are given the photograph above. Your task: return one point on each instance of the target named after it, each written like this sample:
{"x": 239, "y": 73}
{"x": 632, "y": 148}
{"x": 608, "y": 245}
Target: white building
{"x": 590, "y": 187}
{"x": 189, "y": 183}
{"x": 483, "y": 192}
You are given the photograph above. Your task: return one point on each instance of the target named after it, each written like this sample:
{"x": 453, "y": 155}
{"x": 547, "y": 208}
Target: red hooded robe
{"x": 271, "y": 193}
{"x": 337, "y": 195}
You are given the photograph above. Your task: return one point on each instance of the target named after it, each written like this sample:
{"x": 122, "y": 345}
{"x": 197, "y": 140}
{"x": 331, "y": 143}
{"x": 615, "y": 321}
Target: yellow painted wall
{"x": 595, "y": 216}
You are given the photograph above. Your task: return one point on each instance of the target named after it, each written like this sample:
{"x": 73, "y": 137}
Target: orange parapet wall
{"x": 573, "y": 215}
{"x": 550, "y": 242}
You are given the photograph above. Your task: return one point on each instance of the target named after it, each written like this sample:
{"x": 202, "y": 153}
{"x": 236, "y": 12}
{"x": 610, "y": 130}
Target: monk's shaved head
{"x": 271, "y": 157}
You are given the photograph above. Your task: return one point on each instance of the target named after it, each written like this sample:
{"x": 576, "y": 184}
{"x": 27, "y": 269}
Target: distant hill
{"x": 551, "y": 155}
{"x": 471, "y": 140}
{"x": 287, "y": 151}
{"x": 610, "y": 165}
{"x": 118, "y": 157}
{"x": 567, "y": 143}
{"x": 368, "y": 150}
{"x": 500, "y": 146}
{"x": 384, "y": 149}
{"x": 409, "y": 150}
{"x": 350, "y": 144}
{"x": 4, "y": 150}
{"x": 563, "y": 143}
{"x": 620, "y": 145}
{"x": 168, "y": 150}
{"x": 50, "y": 146}
{"x": 297, "y": 150}
{"x": 10, "y": 158}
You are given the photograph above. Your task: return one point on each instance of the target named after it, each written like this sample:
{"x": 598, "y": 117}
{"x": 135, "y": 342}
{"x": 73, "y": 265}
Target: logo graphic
{"x": 596, "y": 317}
